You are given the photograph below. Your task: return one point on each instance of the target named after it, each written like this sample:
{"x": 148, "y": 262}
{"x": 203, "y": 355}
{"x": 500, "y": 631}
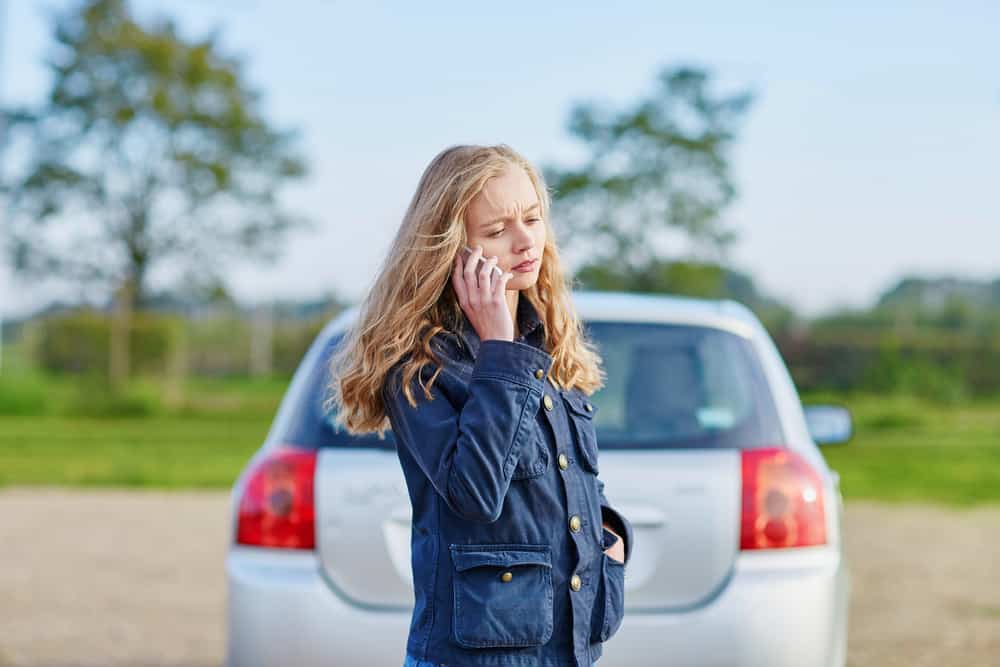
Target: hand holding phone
{"x": 483, "y": 296}
{"x": 468, "y": 253}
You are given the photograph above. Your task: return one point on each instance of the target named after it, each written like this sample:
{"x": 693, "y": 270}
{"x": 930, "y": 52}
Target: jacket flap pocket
{"x": 467, "y": 556}
{"x": 502, "y": 604}
{"x": 582, "y": 413}
{"x": 579, "y": 404}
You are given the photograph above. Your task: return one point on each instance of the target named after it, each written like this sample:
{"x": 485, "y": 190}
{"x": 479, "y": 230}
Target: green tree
{"x": 149, "y": 150}
{"x": 655, "y": 170}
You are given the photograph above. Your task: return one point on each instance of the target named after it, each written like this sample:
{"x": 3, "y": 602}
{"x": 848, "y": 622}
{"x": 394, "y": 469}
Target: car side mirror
{"x": 829, "y": 424}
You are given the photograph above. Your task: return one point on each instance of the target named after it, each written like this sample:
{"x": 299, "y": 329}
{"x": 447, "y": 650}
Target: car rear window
{"x": 311, "y": 426}
{"x": 681, "y": 386}
{"x": 667, "y": 387}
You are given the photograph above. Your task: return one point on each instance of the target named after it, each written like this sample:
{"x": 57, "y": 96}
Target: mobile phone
{"x": 468, "y": 251}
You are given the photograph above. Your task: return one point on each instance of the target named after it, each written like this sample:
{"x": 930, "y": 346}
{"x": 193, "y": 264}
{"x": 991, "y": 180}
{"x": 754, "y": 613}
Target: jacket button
{"x": 547, "y": 401}
{"x": 563, "y": 461}
{"x": 506, "y": 576}
{"x": 575, "y": 583}
{"x": 539, "y": 374}
{"x": 588, "y": 407}
{"x": 574, "y": 523}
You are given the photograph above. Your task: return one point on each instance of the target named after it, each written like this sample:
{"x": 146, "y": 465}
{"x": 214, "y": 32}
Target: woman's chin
{"x": 522, "y": 281}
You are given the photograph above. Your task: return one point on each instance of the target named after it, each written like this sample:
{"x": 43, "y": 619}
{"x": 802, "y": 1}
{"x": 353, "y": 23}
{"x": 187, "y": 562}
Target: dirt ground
{"x": 136, "y": 578}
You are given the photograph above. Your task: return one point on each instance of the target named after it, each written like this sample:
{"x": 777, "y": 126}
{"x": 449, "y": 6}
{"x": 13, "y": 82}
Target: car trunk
{"x": 684, "y": 507}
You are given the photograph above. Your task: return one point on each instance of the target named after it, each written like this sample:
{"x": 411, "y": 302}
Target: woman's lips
{"x": 526, "y": 267}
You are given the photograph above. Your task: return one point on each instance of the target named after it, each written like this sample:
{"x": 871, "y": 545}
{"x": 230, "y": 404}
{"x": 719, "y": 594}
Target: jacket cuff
{"x": 609, "y": 538}
{"x": 620, "y": 525}
{"x": 514, "y": 361}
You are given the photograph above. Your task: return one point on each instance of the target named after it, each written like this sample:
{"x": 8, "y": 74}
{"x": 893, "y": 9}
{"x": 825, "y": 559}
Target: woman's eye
{"x": 496, "y": 233}
{"x": 535, "y": 220}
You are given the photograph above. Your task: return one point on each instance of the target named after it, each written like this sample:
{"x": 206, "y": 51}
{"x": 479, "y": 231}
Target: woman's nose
{"x": 523, "y": 240}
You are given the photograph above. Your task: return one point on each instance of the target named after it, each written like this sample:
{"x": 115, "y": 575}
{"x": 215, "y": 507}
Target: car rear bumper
{"x": 281, "y": 611}
{"x": 777, "y": 610}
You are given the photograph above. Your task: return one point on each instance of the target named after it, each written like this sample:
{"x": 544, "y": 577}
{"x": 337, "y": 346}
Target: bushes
{"x": 905, "y": 372}
{"x": 218, "y": 346}
{"x": 942, "y": 368}
{"x": 59, "y": 364}
{"x": 79, "y": 342}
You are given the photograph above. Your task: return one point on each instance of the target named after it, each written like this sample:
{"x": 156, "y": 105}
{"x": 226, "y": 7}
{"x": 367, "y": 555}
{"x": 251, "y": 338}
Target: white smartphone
{"x": 468, "y": 252}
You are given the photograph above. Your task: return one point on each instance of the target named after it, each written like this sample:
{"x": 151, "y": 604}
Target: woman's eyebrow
{"x": 504, "y": 218}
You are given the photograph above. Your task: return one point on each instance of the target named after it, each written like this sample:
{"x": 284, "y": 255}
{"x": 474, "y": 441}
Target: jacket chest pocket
{"x": 581, "y": 416}
{"x": 503, "y": 595}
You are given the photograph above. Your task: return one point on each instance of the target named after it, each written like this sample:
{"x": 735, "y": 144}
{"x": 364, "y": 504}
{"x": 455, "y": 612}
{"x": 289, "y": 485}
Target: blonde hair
{"x": 412, "y": 298}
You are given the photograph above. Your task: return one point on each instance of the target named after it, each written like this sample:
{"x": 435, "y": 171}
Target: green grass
{"x": 76, "y": 432}
{"x": 166, "y": 452}
{"x": 905, "y": 449}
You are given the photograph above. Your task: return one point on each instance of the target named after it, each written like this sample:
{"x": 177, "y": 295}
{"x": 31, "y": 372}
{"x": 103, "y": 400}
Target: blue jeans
{"x": 413, "y": 662}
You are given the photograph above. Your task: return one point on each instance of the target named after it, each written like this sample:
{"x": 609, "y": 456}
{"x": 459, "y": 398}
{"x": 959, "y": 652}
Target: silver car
{"x": 705, "y": 447}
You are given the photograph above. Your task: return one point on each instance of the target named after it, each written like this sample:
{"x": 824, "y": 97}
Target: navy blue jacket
{"x": 507, "y": 542}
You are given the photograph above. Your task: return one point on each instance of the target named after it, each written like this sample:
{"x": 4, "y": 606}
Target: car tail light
{"x": 277, "y": 509}
{"x": 782, "y": 501}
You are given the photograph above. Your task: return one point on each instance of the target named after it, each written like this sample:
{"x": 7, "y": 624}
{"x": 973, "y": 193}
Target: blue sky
{"x": 871, "y": 151}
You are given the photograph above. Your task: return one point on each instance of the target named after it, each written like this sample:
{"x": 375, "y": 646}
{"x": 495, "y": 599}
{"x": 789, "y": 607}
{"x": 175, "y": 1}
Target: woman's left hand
{"x": 616, "y": 550}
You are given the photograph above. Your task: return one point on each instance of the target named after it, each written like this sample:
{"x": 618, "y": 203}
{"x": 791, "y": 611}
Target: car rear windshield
{"x": 667, "y": 387}
{"x": 681, "y": 386}
{"x": 311, "y": 426}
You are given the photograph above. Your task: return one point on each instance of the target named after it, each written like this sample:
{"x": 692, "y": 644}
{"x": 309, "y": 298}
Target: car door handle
{"x": 642, "y": 516}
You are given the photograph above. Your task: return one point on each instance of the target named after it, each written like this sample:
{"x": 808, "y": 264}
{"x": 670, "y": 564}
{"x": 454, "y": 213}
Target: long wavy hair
{"x": 412, "y": 298}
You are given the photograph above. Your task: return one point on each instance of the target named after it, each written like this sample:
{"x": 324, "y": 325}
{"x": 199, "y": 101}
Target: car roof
{"x": 665, "y": 309}
{"x": 594, "y": 306}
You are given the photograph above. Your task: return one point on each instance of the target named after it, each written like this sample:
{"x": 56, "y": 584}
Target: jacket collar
{"x": 528, "y": 323}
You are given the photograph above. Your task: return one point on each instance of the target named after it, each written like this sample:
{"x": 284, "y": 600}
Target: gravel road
{"x": 108, "y": 577}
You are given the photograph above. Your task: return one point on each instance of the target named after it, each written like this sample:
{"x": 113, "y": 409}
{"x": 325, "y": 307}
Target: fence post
{"x": 121, "y": 318}
{"x": 262, "y": 340}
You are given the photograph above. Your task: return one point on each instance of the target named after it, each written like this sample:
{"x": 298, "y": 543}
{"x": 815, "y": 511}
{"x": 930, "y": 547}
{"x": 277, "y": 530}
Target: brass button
{"x": 547, "y": 400}
{"x": 563, "y": 461}
{"x": 574, "y": 523}
{"x": 588, "y": 407}
{"x": 539, "y": 374}
{"x": 506, "y": 576}
{"x": 575, "y": 583}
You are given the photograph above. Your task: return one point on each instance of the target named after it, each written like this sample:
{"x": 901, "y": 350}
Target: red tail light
{"x": 276, "y": 509}
{"x": 782, "y": 501}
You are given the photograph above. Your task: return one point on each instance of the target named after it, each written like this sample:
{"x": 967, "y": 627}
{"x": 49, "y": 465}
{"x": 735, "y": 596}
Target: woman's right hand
{"x": 483, "y": 296}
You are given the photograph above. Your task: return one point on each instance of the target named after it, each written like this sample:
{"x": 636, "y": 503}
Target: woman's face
{"x": 505, "y": 218}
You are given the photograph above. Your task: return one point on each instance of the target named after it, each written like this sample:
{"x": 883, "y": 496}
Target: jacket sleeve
{"x": 617, "y": 520}
{"x": 469, "y": 453}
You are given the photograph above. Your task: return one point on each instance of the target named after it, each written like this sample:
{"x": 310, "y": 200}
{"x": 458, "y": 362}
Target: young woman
{"x": 482, "y": 372}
